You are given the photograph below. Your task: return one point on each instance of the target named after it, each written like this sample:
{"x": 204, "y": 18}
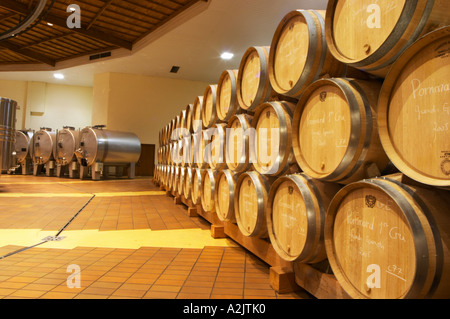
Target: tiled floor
{"x": 218, "y": 269}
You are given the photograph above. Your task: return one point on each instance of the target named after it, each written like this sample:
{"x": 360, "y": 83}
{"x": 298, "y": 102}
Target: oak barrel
{"x": 174, "y": 178}
{"x": 182, "y": 126}
{"x": 196, "y": 187}
{"x": 272, "y": 152}
{"x": 414, "y": 110}
{"x": 299, "y": 54}
{"x": 187, "y": 183}
{"x": 209, "y": 113}
{"x": 208, "y": 190}
{"x": 176, "y": 152}
{"x": 188, "y": 121}
{"x": 253, "y": 83}
{"x": 224, "y": 195}
{"x": 199, "y": 147}
{"x": 216, "y": 147}
{"x": 181, "y": 180}
{"x": 250, "y": 203}
{"x": 227, "y": 103}
{"x": 186, "y": 151}
{"x": 388, "y": 240}
{"x": 371, "y": 35}
{"x": 173, "y": 134}
{"x": 197, "y": 114}
{"x": 335, "y": 135}
{"x": 239, "y": 135}
{"x": 297, "y": 205}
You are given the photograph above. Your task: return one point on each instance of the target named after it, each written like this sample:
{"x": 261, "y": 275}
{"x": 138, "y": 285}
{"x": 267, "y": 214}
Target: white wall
{"x": 141, "y": 104}
{"x": 61, "y": 105}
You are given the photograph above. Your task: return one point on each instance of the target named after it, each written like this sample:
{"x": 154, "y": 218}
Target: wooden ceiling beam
{"x": 28, "y": 53}
{"x": 105, "y": 6}
{"x": 21, "y": 8}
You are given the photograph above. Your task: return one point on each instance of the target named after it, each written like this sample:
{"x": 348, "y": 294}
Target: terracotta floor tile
{"x": 90, "y": 296}
{"x": 6, "y": 291}
{"x": 169, "y": 282}
{"x": 64, "y": 288}
{"x": 132, "y": 286}
{"x": 224, "y": 296}
{"x": 12, "y": 285}
{"x": 58, "y": 295}
{"x": 227, "y": 291}
{"x": 27, "y": 293}
{"x": 196, "y": 283}
{"x": 259, "y": 292}
{"x": 21, "y": 279}
{"x": 129, "y": 293}
{"x": 98, "y": 290}
{"x": 191, "y": 295}
{"x": 101, "y": 284}
{"x": 112, "y": 279}
{"x": 165, "y": 288}
{"x": 160, "y": 295}
{"x": 196, "y": 289}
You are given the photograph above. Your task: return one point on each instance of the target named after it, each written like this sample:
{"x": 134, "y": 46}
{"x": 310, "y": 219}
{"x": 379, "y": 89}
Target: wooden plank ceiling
{"x": 105, "y": 25}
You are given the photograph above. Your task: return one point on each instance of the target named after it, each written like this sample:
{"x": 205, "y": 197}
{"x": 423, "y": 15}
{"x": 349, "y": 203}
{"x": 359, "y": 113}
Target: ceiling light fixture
{"x": 58, "y": 76}
{"x": 227, "y": 56}
{"x": 50, "y": 24}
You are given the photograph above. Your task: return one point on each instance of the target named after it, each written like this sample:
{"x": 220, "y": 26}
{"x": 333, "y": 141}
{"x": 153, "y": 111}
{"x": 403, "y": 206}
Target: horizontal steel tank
{"x": 7, "y": 132}
{"x": 44, "y": 143}
{"x": 99, "y": 145}
{"x": 67, "y": 142}
{"x": 24, "y": 145}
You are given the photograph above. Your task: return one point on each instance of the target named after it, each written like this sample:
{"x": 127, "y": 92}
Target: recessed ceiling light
{"x": 58, "y": 76}
{"x": 50, "y": 24}
{"x": 227, "y": 56}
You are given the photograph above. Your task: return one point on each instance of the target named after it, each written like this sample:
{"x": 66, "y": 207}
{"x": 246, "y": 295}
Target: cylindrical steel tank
{"x": 67, "y": 142}
{"x": 44, "y": 142}
{"x": 109, "y": 147}
{"x": 7, "y": 131}
{"x": 24, "y": 145}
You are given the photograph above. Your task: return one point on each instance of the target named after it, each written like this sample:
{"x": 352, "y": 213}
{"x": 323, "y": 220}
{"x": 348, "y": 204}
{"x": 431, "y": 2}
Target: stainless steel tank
{"x": 23, "y": 146}
{"x": 44, "y": 144}
{"x": 7, "y": 132}
{"x": 98, "y": 145}
{"x": 67, "y": 142}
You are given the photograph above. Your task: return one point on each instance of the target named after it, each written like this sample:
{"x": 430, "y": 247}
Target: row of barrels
{"x": 361, "y": 228}
{"x": 335, "y": 120}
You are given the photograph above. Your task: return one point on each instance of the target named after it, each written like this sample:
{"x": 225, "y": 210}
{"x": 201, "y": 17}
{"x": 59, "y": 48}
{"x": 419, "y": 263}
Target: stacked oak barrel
{"x": 334, "y": 144}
